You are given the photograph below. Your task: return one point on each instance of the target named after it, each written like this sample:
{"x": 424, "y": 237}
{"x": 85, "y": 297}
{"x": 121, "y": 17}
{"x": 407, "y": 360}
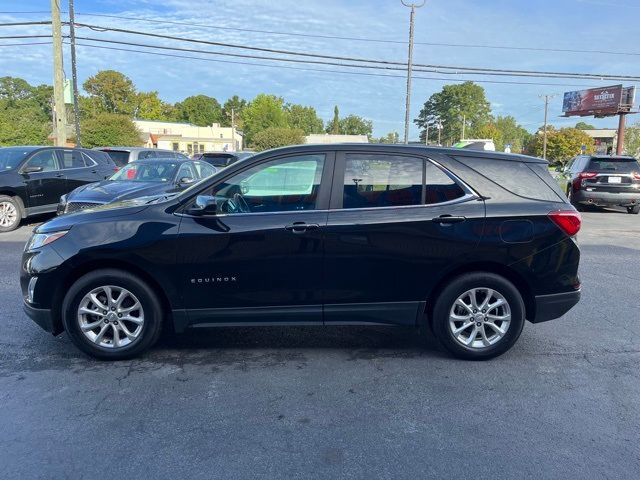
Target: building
{"x": 189, "y": 139}
{"x": 605, "y": 139}
{"x": 325, "y": 138}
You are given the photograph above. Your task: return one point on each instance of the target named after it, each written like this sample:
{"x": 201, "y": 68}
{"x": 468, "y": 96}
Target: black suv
{"x": 32, "y": 179}
{"x": 222, "y": 159}
{"x": 471, "y": 243}
{"x": 604, "y": 181}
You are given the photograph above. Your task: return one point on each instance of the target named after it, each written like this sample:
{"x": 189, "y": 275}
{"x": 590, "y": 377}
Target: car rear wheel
{"x": 633, "y": 210}
{"x": 10, "y": 215}
{"x": 478, "y": 316}
{"x": 570, "y": 197}
{"x": 112, "y": 314}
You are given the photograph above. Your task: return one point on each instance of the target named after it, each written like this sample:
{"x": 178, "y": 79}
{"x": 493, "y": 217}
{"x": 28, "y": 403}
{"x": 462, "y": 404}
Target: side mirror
{"x": 204, "y": 205}
{"x": 186, "y": 181}
{"x": 32, "y": 169}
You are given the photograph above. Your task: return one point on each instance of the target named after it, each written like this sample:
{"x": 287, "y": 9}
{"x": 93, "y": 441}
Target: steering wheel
{"x": 241, "y": 204}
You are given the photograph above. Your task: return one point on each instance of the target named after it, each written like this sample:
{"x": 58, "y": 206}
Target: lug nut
{"x": 119, "y": 315}
{"x": 106, "y": 321}
{"x": 113, "y": 309}
{"x": 115, "y": 322}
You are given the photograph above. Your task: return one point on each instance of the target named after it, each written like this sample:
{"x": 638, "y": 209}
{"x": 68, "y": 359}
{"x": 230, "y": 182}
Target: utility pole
{"x": 464, "y": 125}
{"x": 407, "y": 110}
{"x": 544, "y": 134}
{"x": 74, "y": 72}
{"x": 621, "y": 126}
{"x": 426, "y": 137}
{"x": 58, "y": 76}
{"x": 439, "y": 132}
{"x": 233, "y": 128}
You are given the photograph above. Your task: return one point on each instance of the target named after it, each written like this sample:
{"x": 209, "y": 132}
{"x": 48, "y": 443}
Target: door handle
{"x": 59, "y": 175}
{"x": 448, "y": 219}
{"x": 301, "y": 227}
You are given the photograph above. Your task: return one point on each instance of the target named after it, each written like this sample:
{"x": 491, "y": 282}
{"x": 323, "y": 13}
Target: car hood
{"x": 109, "y": 191}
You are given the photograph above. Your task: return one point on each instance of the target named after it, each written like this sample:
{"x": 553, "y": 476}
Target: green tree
{"x": 490, "y": 130}
{"x": 236, "y": 104}
{"x": 273, "y": 137}
{"x": 391, "y": 137}
{"x": 24, "y": 126}
{"x": 105, "y": 129}
{"x": 263, "y": 112}
{"x": 149, "y": 106}
{"x": 562, "y": 145}
{"x": 503, "y": 131}
{"x": 584, "y": 126}
{"x": 355, "y": 125}
{"x": 632, "y": 140}
{"x": 333, "y": 126}
{"x": 304, "y": 118}
{"x": 451, "y": 105}
{"x": 112, "y": 91}
{"x": 200, "y": 110}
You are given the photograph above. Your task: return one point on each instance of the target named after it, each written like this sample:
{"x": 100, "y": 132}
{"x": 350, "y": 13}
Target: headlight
{"x": 39, "y": 240}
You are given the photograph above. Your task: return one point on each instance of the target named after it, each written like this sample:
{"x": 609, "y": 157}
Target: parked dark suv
{"x": 603, "y": 181}
{"x": 470, "y": 242}
{"x": 32, "y": 179}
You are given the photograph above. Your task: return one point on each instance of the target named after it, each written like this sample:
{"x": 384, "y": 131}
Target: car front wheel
{"x": 478, "y": 316}
{"x": 112, "y": 314}
{"x": 633, "y": 210}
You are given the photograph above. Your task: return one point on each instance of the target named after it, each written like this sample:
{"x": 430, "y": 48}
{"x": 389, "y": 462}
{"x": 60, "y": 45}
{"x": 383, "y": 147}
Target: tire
{"x": 10, "y": 213}
{"x": 575, "y": 204}
{"x": 633, "y": 210}
{"x": 142, "y": 320}
{"x": 496, "y": 344}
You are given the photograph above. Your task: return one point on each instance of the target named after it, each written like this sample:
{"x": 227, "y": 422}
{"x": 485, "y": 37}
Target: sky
{"x": 558, "y": 24}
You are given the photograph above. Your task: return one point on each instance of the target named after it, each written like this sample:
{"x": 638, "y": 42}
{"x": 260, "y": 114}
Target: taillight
{"x": 569, "y": 221}
{"x": 587, "y": 174}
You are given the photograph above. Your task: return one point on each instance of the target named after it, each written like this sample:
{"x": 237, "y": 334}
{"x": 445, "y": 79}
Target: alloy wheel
{"x": 111, "y": 317}
{"x": 8, "y": 214}
{"x": 479, "y": 318}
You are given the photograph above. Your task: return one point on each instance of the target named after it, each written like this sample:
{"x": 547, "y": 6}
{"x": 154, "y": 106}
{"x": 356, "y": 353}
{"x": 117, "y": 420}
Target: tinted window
{"x": 286, "y": 184}
{"x": 147, "y": 172}
{"x": 515, "y": 177}
{"x": 10, "y": 158}
{"x": 147, "y": 154}
{"x": 186, "y": 172}
{"x": 94, "y": 158}
{"x": 617, "y": 165}
{"x": 45, "y": 159}
{"x": 382, "y": 181}
{"x": 439, "y": 186}
{"x": 203, "y": 169}
{"x": 72, "y": 159}
{"x": 119, "y": 157}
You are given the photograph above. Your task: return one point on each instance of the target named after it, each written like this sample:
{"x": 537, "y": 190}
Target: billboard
{"x": 595, "y": 101}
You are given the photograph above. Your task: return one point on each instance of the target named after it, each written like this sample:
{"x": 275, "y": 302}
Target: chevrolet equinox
{"x": 468, "y": 243}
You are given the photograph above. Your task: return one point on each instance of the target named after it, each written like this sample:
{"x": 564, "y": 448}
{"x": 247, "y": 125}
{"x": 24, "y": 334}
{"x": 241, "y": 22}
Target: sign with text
{"x": 595, "y": 101}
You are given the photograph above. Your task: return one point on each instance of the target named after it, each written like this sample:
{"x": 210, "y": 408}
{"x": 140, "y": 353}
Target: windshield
{"x": 618, "y": 165}
{"x": 162, "y": 171}
{"x": 10, "y": 158}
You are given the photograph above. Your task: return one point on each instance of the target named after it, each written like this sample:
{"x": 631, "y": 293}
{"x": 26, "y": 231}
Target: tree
{"x": 562, "y": 145}
{"x": 584, "y": 126}
{"x": 236, "y": 104}
{"x": 304, "y": 118}
{"x": 391, "y": 137}
{"x": 490, "y": 130}
{"x": 109, "y": 129}
{"x": 355, "y": 125}
{"x": 632, "y": 140}
{"x": 149, "y": 106}
{"x": 507, "y": 132}
{"x": 24, "y": 126}
{"x": 263, "y": 112}
{"x": 200, "y": 110}
{"x": 451, "y": 105}
{"x": 113, "y": 92}
{"x": 273, "y": 137}
{"x": 333, "y": 126}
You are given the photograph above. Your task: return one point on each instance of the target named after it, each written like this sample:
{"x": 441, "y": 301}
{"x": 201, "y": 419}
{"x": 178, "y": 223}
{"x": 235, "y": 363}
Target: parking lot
{"x": 344, "y": 402}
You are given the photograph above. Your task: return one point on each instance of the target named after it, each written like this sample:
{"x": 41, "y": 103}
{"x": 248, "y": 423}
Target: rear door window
{"x": 72, "y": 159}
{"x": 440, "y": 187}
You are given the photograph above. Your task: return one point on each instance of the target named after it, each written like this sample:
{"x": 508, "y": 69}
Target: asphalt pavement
{"x": 339, "y": 402}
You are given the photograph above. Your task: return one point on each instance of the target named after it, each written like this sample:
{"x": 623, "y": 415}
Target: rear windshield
{"x": 218, "y": 160}
{"x": 618, "y": 165}
{"x": 522, "y": 179}
{"x": 119, "y": 157}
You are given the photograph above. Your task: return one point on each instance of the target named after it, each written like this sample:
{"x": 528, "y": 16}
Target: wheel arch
{"x": 17, "y": 198}
{"x": 75, "y": 273}
{"x": 490, "y": 267}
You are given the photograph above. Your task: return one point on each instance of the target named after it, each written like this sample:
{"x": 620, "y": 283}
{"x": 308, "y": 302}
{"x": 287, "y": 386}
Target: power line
{"x": 15, "y": 37}
{"x": 25, "y": 24}
{"x": 443, "y": 69}
{"x": 23, "y": 44}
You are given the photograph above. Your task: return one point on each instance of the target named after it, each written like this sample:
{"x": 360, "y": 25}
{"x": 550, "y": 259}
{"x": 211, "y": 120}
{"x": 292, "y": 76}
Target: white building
{"x": 187, "y": 138}
{"x": 325, "y": 138}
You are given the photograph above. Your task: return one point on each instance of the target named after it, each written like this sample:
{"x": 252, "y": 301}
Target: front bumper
{"x": 549, "y": 307}
{"x": 624, "y": 199}
{"x": 43, "y": 317}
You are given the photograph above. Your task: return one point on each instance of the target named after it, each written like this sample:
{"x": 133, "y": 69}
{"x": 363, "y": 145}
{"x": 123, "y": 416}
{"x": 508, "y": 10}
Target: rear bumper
{"x": 549, "y": 307}
{"x": 625, "y": 199}
{"x": 42, "y": 316}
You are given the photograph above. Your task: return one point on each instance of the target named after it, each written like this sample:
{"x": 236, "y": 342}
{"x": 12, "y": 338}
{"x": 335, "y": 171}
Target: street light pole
{"x": 407, "y": 111}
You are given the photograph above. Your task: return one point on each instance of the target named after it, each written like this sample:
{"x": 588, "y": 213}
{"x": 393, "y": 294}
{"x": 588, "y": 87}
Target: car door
{"x": 79, "y": 169}
{"x": 395, "y": 223}
{"x": 260, "y": 258}
{"x": 45, "y": 181}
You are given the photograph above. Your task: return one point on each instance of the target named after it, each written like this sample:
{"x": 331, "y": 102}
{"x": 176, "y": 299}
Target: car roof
{"x": 133, "y": 149}
{"x": 612, "y": 157}
{"x": 411, "y": 148}
{"x": 161, "y": 160}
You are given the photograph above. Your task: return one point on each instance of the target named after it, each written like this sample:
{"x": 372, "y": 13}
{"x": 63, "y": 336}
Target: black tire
{"x": 13, "y": 203}
{"x": 579, "y": 207}
{"x": 151, "y": 306}
{"x": 456, "y": 288}
{"x": 633, "y": 210}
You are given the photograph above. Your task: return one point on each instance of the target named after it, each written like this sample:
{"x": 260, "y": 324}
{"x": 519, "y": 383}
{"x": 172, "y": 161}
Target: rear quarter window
{"x": 522, "y": 179}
